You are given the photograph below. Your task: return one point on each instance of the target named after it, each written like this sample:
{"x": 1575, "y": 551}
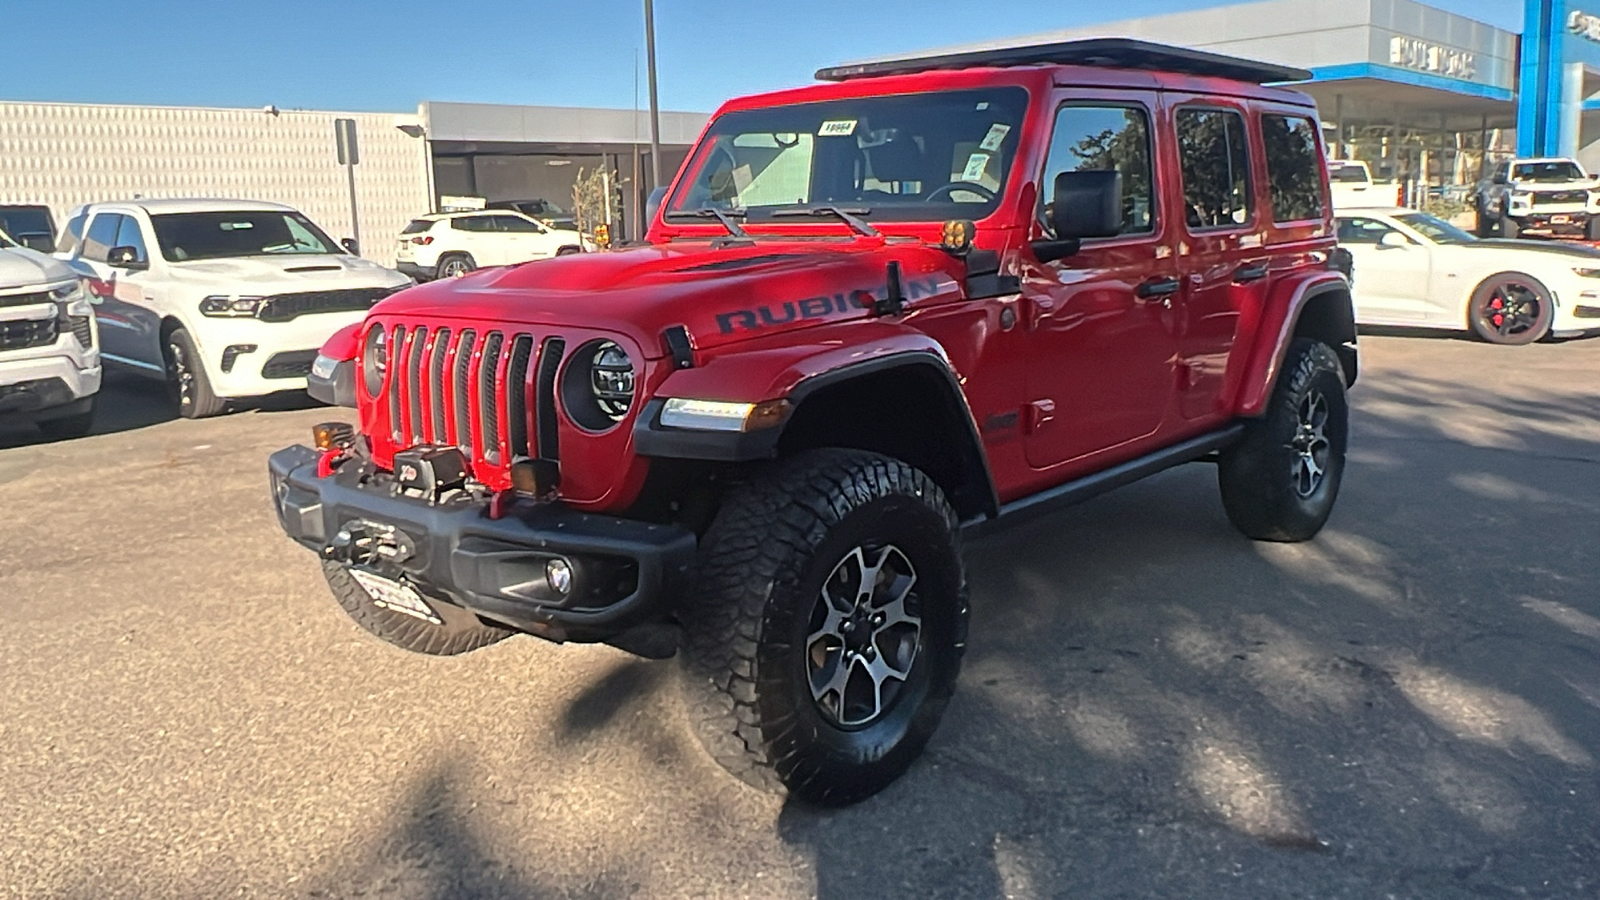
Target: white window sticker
{"x": 976, "y": 164}
{"x": 997, "y": 133}
{"x": 837, "y": 128}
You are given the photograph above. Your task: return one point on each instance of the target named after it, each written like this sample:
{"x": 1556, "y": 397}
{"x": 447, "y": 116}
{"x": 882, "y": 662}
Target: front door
{"x": 1101, "y": 322}
{"x": 524, "y": 239}
{"x": 129, "y": 328}
{"x": 1392, "y": 271}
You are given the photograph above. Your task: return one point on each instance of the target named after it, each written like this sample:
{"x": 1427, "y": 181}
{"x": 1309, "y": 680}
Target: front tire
{"x": 1511, "y": 308}
{"x": 825, "y": 634}
{"x": 458, "y": 631}
{"x": 1509, "y": 227}
{"x": 1280, "y": 480}
{"x": 186, "y": 378}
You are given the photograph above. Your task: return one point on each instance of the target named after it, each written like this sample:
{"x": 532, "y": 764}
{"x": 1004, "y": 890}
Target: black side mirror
{"x": 350, "y": 245}
{"x": 653, "y": 206}
{"x": 126, "y": 258}
{"x": 1087, "y": 205}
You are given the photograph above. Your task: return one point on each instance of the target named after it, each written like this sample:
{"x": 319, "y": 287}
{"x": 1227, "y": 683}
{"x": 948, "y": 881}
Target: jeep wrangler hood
{"x": 720, "y": 295}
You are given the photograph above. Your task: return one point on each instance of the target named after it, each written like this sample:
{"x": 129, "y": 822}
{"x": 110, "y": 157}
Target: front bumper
{"x": 1552, "y": 223}
{"x": 282, "y": 352}
{"x": 625, "y": 573}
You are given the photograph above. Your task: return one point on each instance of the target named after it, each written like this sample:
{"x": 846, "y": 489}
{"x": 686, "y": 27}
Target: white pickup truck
{"x": 1546, "y": 197}
{"x": 1351, "y": 184}
{"x": 49, "y": 344}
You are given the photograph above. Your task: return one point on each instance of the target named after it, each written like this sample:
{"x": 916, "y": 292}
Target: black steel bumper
{"x": 624, "y": 573}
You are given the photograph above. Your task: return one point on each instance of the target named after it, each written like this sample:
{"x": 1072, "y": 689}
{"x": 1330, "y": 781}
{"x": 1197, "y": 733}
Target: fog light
{"x": 559, "y": 574}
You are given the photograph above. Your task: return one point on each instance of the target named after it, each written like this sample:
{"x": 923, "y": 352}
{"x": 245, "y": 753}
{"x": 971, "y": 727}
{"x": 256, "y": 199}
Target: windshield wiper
{"x": 846, "y": 215}
{"x": 711, "y": 212}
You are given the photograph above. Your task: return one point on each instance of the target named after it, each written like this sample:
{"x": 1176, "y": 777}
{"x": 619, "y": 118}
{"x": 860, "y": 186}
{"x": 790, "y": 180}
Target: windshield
{"x": 1437, "y": 230}
{"x": 1559, "y": 170}
{"x": 220, "y": 235}
{"x": 912, "y": 157}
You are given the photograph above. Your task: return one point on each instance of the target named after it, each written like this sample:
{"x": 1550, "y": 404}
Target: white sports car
{"x": 1414, "y": 269}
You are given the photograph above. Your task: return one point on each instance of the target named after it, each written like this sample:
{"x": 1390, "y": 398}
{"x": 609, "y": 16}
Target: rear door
{"x": 1100, "y": 322}
{"x": 1222, "y": 258}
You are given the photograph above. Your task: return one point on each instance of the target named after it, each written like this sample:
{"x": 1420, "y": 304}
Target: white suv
{"x": 221, "y": 299}
{"x": 49, "y": 355}
{"x": 447, "y": 245}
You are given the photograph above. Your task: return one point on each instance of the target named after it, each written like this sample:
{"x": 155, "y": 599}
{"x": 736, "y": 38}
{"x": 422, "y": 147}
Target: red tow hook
{"x": 500, "y": 504}
{"x": 329, "y": 461}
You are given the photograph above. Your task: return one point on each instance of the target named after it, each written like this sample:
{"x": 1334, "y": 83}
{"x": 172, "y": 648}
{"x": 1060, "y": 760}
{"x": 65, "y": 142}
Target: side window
{"x": 515, "y": 225}
{"x": 128, "y": 236}
{"x": 72, "y": 234}
{"x": 1290, "y": 143}
{"x": 1361, "y": 231}
{"x": 1216, "y": 167}
{"x": 1100, "y": 138}
{"x": 102, "y": 236}
{"x": 469, "y": 223}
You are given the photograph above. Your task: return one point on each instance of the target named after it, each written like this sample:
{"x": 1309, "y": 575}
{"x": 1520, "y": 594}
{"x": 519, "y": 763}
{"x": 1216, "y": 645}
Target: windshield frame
{"x": 330, "y": 247}
{"x": 1456, "y": 236}
{"x": 784, "y": 217}
{"x": 1574, "y": 171}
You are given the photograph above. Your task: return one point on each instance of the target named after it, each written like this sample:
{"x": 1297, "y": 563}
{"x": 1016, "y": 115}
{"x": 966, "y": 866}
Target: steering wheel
{"x": 954, "y": 186}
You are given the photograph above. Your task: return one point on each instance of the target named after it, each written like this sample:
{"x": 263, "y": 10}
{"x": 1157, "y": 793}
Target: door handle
{"x": 1157, "y": 288}
{"x": 1249, "y": 272}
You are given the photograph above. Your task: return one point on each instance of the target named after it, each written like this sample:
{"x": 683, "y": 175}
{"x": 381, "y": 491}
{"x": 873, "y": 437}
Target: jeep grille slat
{"x": 419, "y": 343}
{"x": 488, "y": 403}
{"x": 436, "y": 387}
{"x": 517, "y": 395}
{"x": 462, "y": 395}
{"x": 396, "y": 352}
{"x": 545, "y": 398}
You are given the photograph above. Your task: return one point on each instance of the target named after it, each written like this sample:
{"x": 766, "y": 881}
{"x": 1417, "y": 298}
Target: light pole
{"x": 655, "y": 109}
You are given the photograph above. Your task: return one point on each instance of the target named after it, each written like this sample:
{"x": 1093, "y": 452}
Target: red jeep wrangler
{"x": 870, "y": 316}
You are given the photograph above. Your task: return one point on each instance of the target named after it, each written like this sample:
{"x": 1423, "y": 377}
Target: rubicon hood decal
{"x": 825, "y": 307}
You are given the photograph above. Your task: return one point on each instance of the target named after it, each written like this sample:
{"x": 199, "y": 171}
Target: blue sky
{"x": 368, "y": 55}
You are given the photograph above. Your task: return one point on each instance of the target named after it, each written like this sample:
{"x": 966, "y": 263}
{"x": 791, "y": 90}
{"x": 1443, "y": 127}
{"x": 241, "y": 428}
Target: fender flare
{"x": 1271, "y": 344}
{"x": 652, "y": 440}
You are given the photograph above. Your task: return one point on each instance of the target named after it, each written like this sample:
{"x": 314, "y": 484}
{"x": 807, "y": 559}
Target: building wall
{"x": 64, "y": 154}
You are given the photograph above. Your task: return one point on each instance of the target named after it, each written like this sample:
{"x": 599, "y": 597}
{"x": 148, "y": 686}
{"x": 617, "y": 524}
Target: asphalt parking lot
{"x": 1153, "y": 706}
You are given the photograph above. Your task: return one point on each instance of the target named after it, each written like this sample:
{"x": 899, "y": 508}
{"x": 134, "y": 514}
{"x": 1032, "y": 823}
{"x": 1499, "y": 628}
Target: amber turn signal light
{"x": 956, "y": 238}
{"x": 332, "y": 435}
{"x": 535, "y": 477}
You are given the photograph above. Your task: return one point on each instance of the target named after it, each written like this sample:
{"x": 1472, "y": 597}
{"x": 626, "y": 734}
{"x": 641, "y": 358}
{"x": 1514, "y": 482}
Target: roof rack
{"x": 1111, "y": 53}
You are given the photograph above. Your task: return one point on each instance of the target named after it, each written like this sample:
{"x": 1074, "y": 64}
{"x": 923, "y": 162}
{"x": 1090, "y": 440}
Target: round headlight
{"x": 375, "y": 360}
{"x": 597, "y": 389}
{"x": 611, "y": 375}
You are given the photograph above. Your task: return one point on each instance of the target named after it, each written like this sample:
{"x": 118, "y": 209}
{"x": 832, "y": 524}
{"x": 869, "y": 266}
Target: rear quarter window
{"x": 1293, "y": 160}
{"x": 417, "y": 226}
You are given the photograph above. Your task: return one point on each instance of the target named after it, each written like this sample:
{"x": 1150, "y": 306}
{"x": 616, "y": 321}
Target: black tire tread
{"x": 206, "y": 402}
{"x": 462, "y": 632}
{"x": 768, "y": 526}
{"x": 1253, "y": 492}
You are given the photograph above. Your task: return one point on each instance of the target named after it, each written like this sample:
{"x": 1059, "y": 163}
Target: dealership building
{"x": 1423, "y": 95}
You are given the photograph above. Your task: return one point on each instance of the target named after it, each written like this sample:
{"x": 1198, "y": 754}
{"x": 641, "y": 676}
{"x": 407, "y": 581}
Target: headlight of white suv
{"x": 219, "y": 306}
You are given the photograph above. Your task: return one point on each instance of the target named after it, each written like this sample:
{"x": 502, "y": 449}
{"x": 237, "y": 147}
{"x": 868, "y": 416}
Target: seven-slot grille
{"x": 491, "y": 393}
{"x": 286, "y": 307}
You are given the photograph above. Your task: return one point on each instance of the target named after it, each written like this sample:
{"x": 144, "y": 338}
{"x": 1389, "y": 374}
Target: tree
{"x": 591, "y": 193}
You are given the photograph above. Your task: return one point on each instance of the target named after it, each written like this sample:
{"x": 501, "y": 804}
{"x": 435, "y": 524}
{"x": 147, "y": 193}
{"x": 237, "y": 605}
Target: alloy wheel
{"x": 1511, "y": 309}
{"x": 1310, "y": 444}
{"x": 182, "y": 375}
{"x": 865, "y": 634}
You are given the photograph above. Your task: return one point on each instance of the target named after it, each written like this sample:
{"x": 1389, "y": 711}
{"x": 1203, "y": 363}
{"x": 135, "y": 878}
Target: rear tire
{"x": 460, "y": 631}
{"x": 1280, "y": 480}
{"x": 795, "y": 676}
{"x": 454, "y": 265}
{"x": 186, "y": 378}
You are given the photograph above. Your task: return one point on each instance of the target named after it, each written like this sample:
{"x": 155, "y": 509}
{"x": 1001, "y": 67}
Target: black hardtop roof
{"x": 1109, "y": 53}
